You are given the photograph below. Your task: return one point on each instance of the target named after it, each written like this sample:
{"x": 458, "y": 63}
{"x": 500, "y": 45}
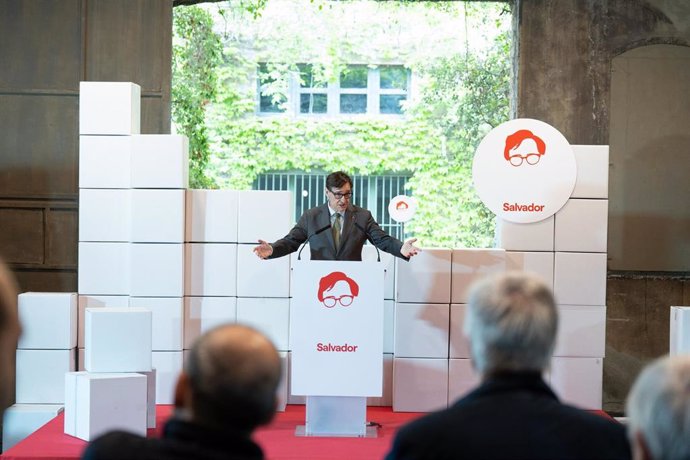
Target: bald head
{"x": 233, "y": 373}
{"x": 9, "y": 334}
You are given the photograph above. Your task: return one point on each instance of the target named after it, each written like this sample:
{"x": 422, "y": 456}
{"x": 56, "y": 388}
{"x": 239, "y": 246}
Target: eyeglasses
{"x": 344, "y": 300}
{"x": 531, "y": 159}
{"x": 339, "y": 195}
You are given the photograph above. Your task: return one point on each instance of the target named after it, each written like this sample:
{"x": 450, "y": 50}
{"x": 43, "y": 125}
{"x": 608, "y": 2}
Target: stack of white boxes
{"x": 679, "y": 332}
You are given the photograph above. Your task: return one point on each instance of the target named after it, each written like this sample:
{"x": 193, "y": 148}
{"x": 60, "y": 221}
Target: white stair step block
{"x": 679, "y": 336}
{"x": 118, "y": 340}
{"x": 582, "y": 226}
{"x": 204, "y": 313}
{"x": 282, "y": 391}
{"x": 581, "y": 331}
{"x": 41, "y": 375}
{"x": 592, "y": 171}
{"x": 20, "y": 420}
{"x": 105, "y": 162}
{"x": 160, "y": 161}
{"x": 535, "y": 236}
{"x": 386, "y": 398}
{"x": 99, "y": 403}
{"x": 462, "y": 379}
{"x": 211, "y": 269}
{"x": 104, "y": 268}
{"x": 421, "y": 330}
{"x": 111, "y": 108}
{"x": 168, "y": 365}
{"x": 580, "y": 278}
{"x": 470, "y": 265}
{"x": 539, "y": 263}
{"x": 293, "y": 399}
{"x": 166, "y": 321}
{"x": 158, "y": 216}
{"x": 261, "y": 278}
{"x": 104, "y": 215}
{"x": 388, "y": 262}
{"x": 459, "y": 344}
{"x": 388, "y": 326}
{"x": 48, "y": 319}
{"x": 578, "y": 381}
{"x": 211, "y": 216}
{"x": 425, "y": 278}
{"x": 89, "y": 301}
{"x": 265, "y": 215}
{"x": 270, "y": 316}
{"x": 150, "y": 397}
{"x": 420, "y": 385}
{"x": 157, "y": 270}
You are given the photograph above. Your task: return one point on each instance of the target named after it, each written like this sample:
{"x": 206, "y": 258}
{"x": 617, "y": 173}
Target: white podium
{"x": 336, "y": 337}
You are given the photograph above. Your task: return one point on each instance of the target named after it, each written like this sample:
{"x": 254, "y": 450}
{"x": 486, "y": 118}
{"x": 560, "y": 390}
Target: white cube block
{"x": 109, "y": 108}
{"x": 20, "y": 420}
{"x": 582, "y": 226}
{"x": 388, "y": 261}
{"x": 459, "y": 343}
{"x": 462, "y": 379}
{"x": 211, "y": 216}
{"x": 261, "y": 278}
{"x": 90, "y": 301}
{"x": 104, "y": 215}
{"x": 166, "y": 321}
{"x": 578, "y": 381}
{"x": 535, "y": 236}
{"x": 425, "y": 278}
{"x": 386, "y": 398}
{"x": 421, "y": 330}
{"x": 150, "y": 397}
{"x": 104, "y": 268}
{"x": 265, "y": 215}
{"x": 420, "y": 385}
{"x": 581, "y": 331}
{"x": 105, "y": 402}
{"x": 592, "y": 171}
{"x": 538, "y": 263}
{"x": 105, "y": 162}
{"x": 157, "y": 270}
{"x": 211, "y": 269}
{"x": 168, "y": 365}
{"x": 41, "y": 375}
{"x": 282, "y": 391}
{"x": 204, "y": 313}
{"x": 270, "y": 316}
{"x": 679, "y": 336}
{"x": 48, "y": 319}
{"x": 160, "y": 161}
{"x": 118, "y": 340}
{"x": 388, "y": 326}
{"x": 158, "y": 216}
{"x": 471, "y": 265}
{"x": 293, "y": 399}
{"x": 580, "y": 278}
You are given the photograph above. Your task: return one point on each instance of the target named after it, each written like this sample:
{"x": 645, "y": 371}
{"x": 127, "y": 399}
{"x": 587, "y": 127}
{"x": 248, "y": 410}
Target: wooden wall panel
{"x": 21, "y": 238}
{"x": 61, "y": 239}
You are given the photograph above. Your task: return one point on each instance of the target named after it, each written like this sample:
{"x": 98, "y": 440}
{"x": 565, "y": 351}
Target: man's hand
{"x": 263, "y": 250}
{"x": 408, "y": 249}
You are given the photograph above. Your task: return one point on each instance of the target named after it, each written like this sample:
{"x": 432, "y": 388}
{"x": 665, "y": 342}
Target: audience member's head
{"x": 230, "y": 379}
{"x": 9, "y": 334}
{"x": 658, "y": 411}
{"x": 511, "y": 324}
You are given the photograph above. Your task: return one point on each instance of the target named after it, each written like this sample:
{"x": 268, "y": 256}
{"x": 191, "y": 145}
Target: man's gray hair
{"x": 658, "y": 408}
{"x": 511, "y": 323}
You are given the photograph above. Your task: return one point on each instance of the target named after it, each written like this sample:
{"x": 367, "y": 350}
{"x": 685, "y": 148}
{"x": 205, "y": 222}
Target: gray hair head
{"x": 658, "y": 408}
{"x": 511, "y": 323}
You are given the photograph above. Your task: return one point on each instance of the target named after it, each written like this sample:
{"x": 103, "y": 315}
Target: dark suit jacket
{"x": 514, "y": 416}
{"x": 358, "y": 226}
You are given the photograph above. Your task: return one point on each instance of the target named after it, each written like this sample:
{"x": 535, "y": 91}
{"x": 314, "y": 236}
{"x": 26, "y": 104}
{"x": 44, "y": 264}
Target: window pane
{"x": 391, "y": 103}
{"x": 353, "y": 103}
{"x": 308, "y": 77}
{"x": 393, "y": 77}
{"x": 266, "y": 104}
{"x": 354, "y": 76}
{"x": 313, "y": 103}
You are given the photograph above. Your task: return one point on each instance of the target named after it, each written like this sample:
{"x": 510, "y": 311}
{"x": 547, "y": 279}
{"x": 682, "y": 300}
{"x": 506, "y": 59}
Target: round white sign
{"x": 402, "y": 208}
{"x": 524, "y": 170}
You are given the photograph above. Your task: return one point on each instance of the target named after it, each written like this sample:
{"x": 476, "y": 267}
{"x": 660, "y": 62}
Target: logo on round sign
{"x": 524, "y": 170}
{"x": 402, "y": 208}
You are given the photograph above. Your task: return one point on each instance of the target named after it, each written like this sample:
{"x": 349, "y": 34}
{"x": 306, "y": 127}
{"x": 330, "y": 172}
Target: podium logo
{"x": 337, "y": 288}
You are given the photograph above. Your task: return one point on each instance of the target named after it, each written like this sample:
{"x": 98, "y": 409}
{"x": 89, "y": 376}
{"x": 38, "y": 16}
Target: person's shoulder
{"x": 117, "y": 445}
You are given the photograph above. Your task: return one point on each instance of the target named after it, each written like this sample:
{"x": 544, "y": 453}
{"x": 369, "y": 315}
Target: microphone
{"x": 361, "y": 229}
{"x": 321, "y": 230}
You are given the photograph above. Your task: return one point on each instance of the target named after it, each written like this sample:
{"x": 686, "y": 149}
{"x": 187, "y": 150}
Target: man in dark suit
{"x": 511, "y": 324}
{"x": 227, "y": 389}
{"x": 337, "y": 229}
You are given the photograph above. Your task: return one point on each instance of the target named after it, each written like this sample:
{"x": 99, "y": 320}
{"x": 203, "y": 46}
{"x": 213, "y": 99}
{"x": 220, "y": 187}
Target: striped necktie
{"x": 336, "y": 231}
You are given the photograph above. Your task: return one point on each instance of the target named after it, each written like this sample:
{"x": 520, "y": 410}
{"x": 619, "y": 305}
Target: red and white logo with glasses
{"x": 337, "y": 288}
